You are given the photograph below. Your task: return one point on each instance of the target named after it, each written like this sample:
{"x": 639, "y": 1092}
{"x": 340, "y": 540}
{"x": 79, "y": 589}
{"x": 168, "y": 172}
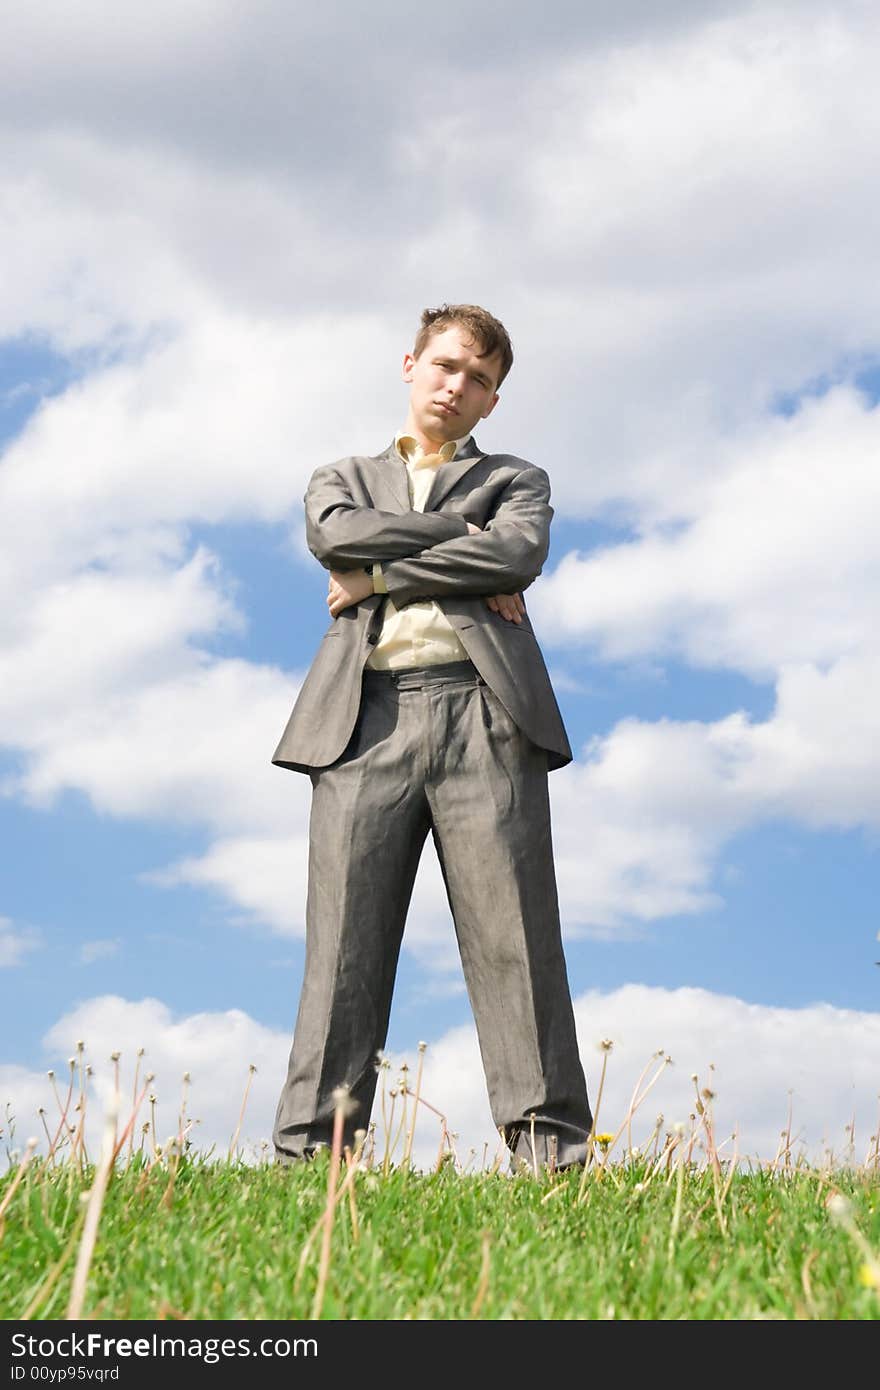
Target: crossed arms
{"x": 430, "y": 554}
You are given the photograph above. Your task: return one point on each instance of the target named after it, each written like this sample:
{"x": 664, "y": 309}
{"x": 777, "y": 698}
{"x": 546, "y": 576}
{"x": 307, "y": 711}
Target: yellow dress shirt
{"x": 419, "y": 634}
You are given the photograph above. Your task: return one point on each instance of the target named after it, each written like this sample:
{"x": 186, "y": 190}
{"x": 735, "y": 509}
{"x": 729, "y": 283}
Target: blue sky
{"x": 192, "y": 323}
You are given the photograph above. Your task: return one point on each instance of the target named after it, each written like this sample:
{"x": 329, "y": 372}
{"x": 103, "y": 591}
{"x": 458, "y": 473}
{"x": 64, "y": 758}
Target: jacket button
{"x": 372, "y": 638}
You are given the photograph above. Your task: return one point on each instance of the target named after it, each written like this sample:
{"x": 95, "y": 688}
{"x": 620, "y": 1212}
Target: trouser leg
{"x": 368, "y": 825}
{"x": 487, "y": 790}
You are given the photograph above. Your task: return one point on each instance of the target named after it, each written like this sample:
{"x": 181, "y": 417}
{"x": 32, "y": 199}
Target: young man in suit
{"x": 428, "y": 708}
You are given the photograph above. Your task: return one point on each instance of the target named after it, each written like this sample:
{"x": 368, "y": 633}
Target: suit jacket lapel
{"x": 396, "y": 479}
{"x": 394, "y": 475}
{"x": 448, "y": 474}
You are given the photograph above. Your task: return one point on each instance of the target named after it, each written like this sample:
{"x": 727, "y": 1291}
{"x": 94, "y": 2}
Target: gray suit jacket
{"x": 358, "y": 511}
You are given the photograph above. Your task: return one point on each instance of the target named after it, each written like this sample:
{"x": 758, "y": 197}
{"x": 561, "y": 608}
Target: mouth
{"x": 447, "y": 409}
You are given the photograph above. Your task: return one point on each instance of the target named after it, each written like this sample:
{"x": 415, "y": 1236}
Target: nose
{"x": 455, "y": 383}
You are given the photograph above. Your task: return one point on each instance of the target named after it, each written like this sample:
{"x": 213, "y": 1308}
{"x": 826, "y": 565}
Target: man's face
{"x": 451, "y": 385}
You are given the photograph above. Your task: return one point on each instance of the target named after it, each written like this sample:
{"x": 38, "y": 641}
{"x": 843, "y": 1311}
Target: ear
{"x": 408, "y": 363}
{"x": 490, "y": 407}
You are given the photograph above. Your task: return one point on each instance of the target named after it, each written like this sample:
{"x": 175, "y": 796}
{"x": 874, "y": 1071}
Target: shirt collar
{"x": 411, "y": 451}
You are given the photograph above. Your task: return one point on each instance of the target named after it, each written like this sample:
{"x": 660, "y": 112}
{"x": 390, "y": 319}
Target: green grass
{"x": 224, "y": 1240}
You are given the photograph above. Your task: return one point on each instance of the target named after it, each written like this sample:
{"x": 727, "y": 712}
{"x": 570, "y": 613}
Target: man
{"x": 428, "y": 708}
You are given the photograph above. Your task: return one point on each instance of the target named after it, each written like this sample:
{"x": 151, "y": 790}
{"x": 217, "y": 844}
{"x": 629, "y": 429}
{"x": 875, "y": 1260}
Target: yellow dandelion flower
{"x": 869, "y": 1277}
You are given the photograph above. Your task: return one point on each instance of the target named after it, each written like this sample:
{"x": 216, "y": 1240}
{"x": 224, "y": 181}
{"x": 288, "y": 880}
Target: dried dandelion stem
{"x": 444, "y": 1134}
{"x": 93, "y": 1215}
{"x": 351, "y": 1163}
{"x": 234, "y": 1140}
{"x": 135, "y": 1105}
{"x": 403, "y": 1093}
{"x": 411, "y": 1132}
{"x": 606, "y": 1046}
{"x": 732, "y": 1172}
{"x": 679, "y": 1196}
{"x": 638, "y": 1099}
{"x": 50, "y": 1153}
{"x": 341, "y": 1191}
{"x": 341, "y": 1098}
{"x": 25, "y": 1160}
{"x": 485, "y": 1265}
{"x": 128, "y": 1132}
{"x": 80, "y": 1140}
{"x": 64, "y": 1123}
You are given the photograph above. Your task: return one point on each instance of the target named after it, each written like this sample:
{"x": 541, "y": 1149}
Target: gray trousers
{"x": 435, "y": 750}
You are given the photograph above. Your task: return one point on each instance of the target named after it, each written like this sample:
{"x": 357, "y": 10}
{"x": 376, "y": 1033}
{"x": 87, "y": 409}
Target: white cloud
{"x": 192, "y": 749}
{"x": 776, "y": 574}
{"x": 774, "y": 560}
{"x": 696, "y": 211}
{"x": 640, "y": 821}
{"x": 15, "y": 942}
{"x": 678, "y": 271}
{"x": 756, "y": 1059}
{"x": 235, "y": 324}
{"x": 265, "y": 875}
{"x": 223, "y": 423}
{"x": 110, "y": 634}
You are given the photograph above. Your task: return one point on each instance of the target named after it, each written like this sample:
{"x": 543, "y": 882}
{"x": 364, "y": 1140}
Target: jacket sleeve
{"x": 343, "y": 535}
{"x": 504, "y": 558}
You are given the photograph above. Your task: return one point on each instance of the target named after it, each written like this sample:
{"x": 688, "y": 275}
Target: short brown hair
{"x": 488, "y": 332}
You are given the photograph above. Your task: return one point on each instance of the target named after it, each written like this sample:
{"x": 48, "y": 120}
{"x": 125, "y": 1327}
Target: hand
{"x": 347, "y": 587}
{"x": 510, "y": 606}
{"x": 473, "y": 530}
